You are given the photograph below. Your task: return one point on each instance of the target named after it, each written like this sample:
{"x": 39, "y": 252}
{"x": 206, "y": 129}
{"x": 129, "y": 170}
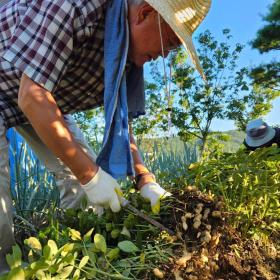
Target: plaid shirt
{"x": 59, "y": 45}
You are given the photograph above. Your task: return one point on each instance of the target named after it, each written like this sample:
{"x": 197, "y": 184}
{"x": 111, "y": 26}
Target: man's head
{"x": 145, "y": 41}
{"x": 178, "y": 19}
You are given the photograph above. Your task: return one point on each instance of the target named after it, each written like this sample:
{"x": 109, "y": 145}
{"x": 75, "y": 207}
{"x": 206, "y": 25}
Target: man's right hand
{"x": 103, "y": 190}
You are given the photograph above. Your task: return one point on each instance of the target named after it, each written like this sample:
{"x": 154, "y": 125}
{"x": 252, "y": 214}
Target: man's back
{"x": 59, "y": 45}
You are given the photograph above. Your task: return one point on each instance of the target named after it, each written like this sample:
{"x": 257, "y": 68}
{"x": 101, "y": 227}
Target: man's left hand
{"x": 154, "y": 193}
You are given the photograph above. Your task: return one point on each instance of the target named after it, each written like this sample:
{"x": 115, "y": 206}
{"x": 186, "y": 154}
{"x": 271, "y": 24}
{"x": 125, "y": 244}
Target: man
{"x": 53, "y": 55}
{"x": 259, "y": 135}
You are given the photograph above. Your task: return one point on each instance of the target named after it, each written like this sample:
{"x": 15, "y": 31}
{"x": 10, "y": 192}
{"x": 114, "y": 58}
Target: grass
{"x": 32, "y": 186}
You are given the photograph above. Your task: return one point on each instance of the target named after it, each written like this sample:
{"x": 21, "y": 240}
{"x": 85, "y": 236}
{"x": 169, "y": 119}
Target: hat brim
{"x": 180, "y": 29}
{"x": 260, "y": 142}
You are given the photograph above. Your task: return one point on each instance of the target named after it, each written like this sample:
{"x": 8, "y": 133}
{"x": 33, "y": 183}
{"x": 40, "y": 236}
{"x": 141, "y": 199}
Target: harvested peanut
{"x": 177, "y": 275}
{"x": 189, "y": 268}
{"x": 197, "y": 224}
{"x": 159, "y": 274}
{"x": 188, "y": 215}
{"x": 208, "y": 227}
{"x": 216, "y": 257}
{"x": 183, "y": 260}
{"x": 179, "y": 235}
{"x": 219, "y": 204}
{"x": 206, "y": 213}
{"x": 184, "y": 223}
{"x": 216, "y": 239}
{"x": 204, "y": 258}
{"x": 213, "y": 265}
{"x": 206, "y": 237}
{"x": 197, "y": 217}
{"x": 216, "y": 214}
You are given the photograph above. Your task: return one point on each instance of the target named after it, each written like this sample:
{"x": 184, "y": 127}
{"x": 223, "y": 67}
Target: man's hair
{"x": 135, "y": 2}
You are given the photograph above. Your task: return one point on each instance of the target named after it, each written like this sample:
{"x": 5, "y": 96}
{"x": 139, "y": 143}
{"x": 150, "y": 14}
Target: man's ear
{"x": 143, "y": 12}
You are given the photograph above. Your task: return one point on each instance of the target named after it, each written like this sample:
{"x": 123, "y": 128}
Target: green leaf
{"x": 126, "y": 232}
{"x": 87, "y": 236}
{"x": 100, "y": 242}
{"x": 30, "y": 256}
{"x": 54, "y": 268}
{"x": 75, "y": 235}
{"x": 65, "y": 272}
{"x": 16, "y": 274}
{"x": 40, "y": 265}
{"x": 14, "y": 259}
{"x": 115, "y": 233}
{"x": 142, "y": 257}
{"x": 83, "y": 262}
{"x": 67, "y": 248}
{"x": 69, "y": 258}
{"x": 40, "y": 275}
{"x": 76, "y": 275}
{"x": 113, "y": 254}
{"x": 127, "y": 246}
{"x": 34, "y": 244}
{"x": 126, "y": 272}
{"x": 53, "y": 247}
{"x": 92, "y": 257}
{"x": 109, "y": 226}
{"x": 47, "y": 252}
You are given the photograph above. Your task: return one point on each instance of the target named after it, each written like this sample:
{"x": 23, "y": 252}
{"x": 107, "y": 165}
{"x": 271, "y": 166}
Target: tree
{"x": 92, "y": 124}
{"x": 267, "y": 40}
{"x": 227, "y": 94}
{"x": 199, "y": 103}
{"x": 153, "y": 118}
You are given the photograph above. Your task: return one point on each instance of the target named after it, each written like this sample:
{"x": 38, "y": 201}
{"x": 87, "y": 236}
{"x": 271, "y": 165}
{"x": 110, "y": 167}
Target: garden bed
{"x": 225, "y": 212}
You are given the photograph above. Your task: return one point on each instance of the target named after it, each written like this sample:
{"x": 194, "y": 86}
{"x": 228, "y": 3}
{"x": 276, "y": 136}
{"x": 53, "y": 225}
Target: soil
{"x": 212, "y": 249}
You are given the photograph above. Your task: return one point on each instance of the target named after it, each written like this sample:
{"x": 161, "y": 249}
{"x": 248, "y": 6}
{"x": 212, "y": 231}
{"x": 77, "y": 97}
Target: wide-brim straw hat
{"x": 258, "y": 133}
{"x": 184, "y": 16}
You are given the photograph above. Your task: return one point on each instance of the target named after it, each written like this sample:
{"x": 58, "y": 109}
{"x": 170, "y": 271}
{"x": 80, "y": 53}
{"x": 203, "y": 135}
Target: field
{"x": 225, "y": 211}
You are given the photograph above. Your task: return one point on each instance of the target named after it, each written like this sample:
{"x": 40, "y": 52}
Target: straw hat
{"x": 183, "y": 16}
{"x": 258, "y": 133}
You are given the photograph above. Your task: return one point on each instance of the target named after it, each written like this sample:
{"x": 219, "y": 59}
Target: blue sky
{"x": 243, "y": 18}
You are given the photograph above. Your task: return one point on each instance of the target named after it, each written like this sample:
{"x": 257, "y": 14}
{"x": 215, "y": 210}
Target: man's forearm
{"x": 139, "y": 165}
{"x": 41, "y": 110}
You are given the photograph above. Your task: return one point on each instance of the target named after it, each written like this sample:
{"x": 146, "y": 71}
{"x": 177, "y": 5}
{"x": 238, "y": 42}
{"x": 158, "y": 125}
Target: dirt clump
{"x": 210, "y": 248}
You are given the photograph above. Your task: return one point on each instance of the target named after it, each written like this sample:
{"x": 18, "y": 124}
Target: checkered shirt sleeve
{"x": 42, "y": 42}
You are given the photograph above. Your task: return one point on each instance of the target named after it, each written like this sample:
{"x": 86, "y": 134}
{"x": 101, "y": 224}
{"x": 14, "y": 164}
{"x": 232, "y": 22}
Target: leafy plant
{"x": 249, "y": 183}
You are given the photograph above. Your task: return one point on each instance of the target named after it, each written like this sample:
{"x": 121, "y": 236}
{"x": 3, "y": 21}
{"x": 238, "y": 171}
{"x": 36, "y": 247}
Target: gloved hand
{"x": 103, "y": 190}
{"x": 154, "y": 193}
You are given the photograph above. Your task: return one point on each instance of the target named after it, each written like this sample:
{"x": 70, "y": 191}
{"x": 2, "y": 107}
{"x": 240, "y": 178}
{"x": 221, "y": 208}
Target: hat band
{"x": 258, "y": 133}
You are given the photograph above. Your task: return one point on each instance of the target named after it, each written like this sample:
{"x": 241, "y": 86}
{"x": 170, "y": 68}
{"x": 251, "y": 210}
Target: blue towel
{"x": 115, "y": 156}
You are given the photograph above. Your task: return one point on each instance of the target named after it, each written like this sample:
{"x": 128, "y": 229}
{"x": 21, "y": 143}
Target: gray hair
{"x": 135, "y": 2}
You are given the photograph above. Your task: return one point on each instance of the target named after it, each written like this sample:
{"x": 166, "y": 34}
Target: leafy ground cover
{"x": 225, "y": 212}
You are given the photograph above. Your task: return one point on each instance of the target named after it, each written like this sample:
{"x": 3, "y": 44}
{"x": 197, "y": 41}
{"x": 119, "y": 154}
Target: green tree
{"x": 267, "y": 40}
{"x": 152, "y": 122}
{"x": 195, "y": 104}
{"x": 92, "y": 124}
{"x": 199, "y": 103}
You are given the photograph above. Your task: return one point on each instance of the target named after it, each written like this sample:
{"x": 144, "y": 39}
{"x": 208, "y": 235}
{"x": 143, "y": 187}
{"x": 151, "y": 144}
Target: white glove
{"x": 103, "y": 190}
{"x": 154, "y": 193}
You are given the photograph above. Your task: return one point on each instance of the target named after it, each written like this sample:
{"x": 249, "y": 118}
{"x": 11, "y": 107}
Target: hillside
{"x": 176, "y": 145}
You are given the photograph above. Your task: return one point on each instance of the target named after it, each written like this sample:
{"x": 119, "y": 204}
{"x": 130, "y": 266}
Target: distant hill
{"x": 176, "y": 145}
{"x": 237, "y": 138}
